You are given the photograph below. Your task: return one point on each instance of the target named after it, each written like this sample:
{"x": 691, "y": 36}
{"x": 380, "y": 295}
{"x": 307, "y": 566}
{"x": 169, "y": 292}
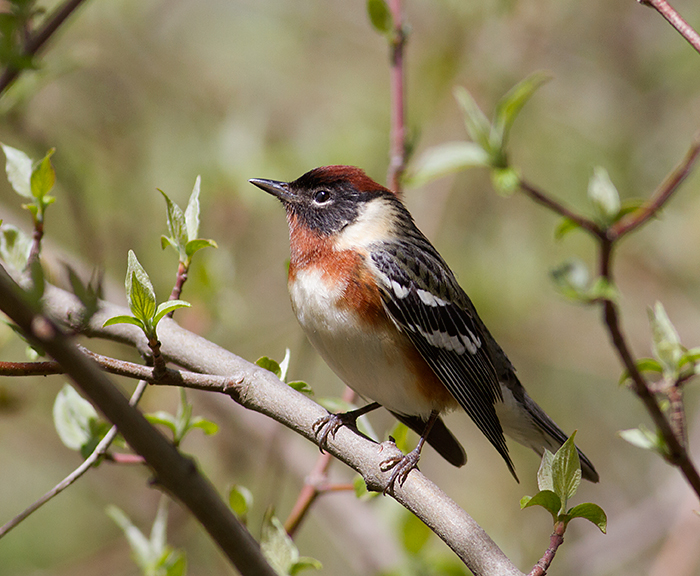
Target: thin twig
{"x": 99, "y": 451}
{"x": 29, "y": 368}
{"x": 662, "y": 194}
{"x": 675, "y": 20}
{"x": 555, "y": 540}
{"x": 312, "y": 487}
{"x": 541, "y": 198}
{"x": 36, "y": 41}
{"x": 397, "y": 155}
{"x": 179, "y": 283}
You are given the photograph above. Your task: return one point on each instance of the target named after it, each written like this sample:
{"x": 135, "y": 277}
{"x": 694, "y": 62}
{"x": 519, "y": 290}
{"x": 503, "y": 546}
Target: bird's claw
{"x": 402, "y": 466}
{"x": 328, "y": 426}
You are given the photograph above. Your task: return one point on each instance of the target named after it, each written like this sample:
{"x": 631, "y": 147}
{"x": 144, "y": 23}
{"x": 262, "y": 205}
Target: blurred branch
{"x": 99, "y": 451}
{"x": 663, "y": 193}
{"x": 35, "y": 41}
{"x": 174, "y": 472}
{"x": 209, "y": 367}
{"x": 397, "y": 155}
{"x": 607, "y": 240}
{"x": 675, "y": 20}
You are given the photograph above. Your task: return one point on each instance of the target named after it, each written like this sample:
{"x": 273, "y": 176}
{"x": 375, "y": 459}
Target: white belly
{"x": 372, "y": 367}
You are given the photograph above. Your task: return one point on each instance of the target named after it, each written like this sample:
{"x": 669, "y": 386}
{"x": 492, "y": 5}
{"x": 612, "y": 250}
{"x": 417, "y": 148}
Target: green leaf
{"x": 564, "y": 227}
{"x": 276, "y": 545}
{"x": 666, "y": 344}
{"x": 15, "y": 247}
{"x": 505, "y": 180}
{"x": 591, "y": 512}
{"x": 192, "y": 212}
{"x": 207, "y": 426}
{"x": 646, "y": 439}
{"x": 566, "y": 470}
{"x": 43, "y": 177}
{"x": 604, "y": 197}
{"x": 195, "y": 245}
{"x": 168, "y": 306}
{"x": 643, "y": 365}
{"x": 19, "y": 170}
{"x": 284, "y": 365}
{"x": 123, "y": 320}
{"x": 164, "y": 418}
{"x": 400, "y": 434}
{"x": 302, "y": 387}
{"x": 446, "y": 159}
{"x": 176, "y": 222}
{"x": 510, "y": 105}
{"x": 545, "y": 498}
{"x": 73, "y": 417}
{"x": 139, "y": 290}
{"x": 544, "y": 473}
{"x": 270, "y": 365}
{"x": 414, "y": 534}
{"x": 305, "y": 563}
{"x": 139, "y": 544}
{"x": 571, "y": 279}
{"x": 380, "y": 16}
{"x": 478, "y": 126}
{"x": 89, "y": 294}
{"x": 240, "y": 499}
{"x": 603, "y": 289}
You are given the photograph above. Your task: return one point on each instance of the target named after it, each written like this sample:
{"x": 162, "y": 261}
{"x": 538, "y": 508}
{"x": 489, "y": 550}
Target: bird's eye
{"x": 322, "y": 196}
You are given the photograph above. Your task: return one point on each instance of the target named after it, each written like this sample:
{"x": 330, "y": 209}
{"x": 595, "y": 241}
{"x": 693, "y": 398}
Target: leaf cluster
{"x": 31, "y": 180}
{"x": 558, "y": 479}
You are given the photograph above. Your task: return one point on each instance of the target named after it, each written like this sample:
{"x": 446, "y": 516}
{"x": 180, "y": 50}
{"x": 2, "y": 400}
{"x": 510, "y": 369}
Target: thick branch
{"x": 260, "y": 390}
{"x": 176, "y": 473}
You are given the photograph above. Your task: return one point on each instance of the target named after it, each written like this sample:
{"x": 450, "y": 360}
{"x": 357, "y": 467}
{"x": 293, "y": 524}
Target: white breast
{"x": 372, "y": 366}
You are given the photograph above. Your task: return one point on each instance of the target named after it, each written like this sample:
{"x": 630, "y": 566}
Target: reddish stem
{"x": 555, "y": 540}
{"x": 397, "y": 155}
{"x": 675, "y": 20}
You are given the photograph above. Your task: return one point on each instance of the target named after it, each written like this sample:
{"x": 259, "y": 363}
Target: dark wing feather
{"x": 425, "y": 301}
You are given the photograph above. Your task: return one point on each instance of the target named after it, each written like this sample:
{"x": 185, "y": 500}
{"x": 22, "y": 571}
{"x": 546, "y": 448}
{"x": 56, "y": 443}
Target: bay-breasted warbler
{"x": 386, "y": 313}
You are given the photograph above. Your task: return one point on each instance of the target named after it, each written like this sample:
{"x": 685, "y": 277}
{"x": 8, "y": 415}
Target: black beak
{"x": 278, "y": 189}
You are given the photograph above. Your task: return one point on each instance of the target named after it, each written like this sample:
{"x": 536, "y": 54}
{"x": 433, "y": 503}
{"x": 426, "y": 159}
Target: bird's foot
{"x": 328, "y": 426}
{"x": 401, "y": 466}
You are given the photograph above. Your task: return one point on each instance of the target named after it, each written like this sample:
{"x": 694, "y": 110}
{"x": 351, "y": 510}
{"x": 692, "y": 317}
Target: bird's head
{"x": 326, "y": 199}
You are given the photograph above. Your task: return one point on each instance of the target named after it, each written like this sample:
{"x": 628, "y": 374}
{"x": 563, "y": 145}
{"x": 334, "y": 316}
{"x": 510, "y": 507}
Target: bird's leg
{"x": 402, "y": 465}
{"x": 329, "y": 425}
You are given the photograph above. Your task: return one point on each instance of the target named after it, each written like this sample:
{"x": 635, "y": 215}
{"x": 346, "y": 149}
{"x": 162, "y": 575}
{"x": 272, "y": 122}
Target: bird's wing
{"x": 425, "y": 301}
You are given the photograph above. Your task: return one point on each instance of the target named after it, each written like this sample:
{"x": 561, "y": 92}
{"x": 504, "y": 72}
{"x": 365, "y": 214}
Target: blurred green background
{"x": 137, "y": 95}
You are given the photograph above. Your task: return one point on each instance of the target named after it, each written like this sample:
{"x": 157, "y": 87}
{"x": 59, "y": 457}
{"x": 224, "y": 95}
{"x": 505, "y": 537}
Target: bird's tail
{"x": 535, "y": 429}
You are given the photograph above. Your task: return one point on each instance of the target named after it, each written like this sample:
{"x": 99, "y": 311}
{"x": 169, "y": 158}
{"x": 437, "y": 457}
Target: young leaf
{"x": 646, "y": 439}
{"x": 564, "y": 227}
{"x": 305, "y": 563}
{"x": 571, "y": 279}
{"x": 139, "y": 290}
{"x": 207, "y": 426}
{"x": 168, "y": 306}
{"x": 276, "y": 545}
{"x": 591, "y": 512}
{"x": 380, "y": 16}
{"x": 15, "y": 246}
{"x": 505, "y": 179}
{"x": 511, "y": 104}
{"x": 666, "y": 344}
{"x": 270, "y": 365}
{"x": 197, "y": 244}
{"x": 545, "y": 498}
{"x": 240, "y": 499}
{"x": 302, "y": 387}
{"x": 176, "y": 222}
{"x": 140, "y": 545}
{"x": 43, "y": 177}
{"x": 124, "y": 320}
{"x": 603, "y": 196}
{"x": 192, "y": 212}
{"x": 74, "y": 418}
{"x": 19, "y": 170}
{"x": 163, "y": 418}
{"x": 446, "y": 159}
{"x": 544, "y": 473}
{"x": 284, "y": 365}
{"x": 478, "y": 126}
{"x": 566, "y": 470}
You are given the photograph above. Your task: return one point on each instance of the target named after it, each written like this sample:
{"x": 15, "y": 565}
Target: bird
{"x": 386, "y": 313}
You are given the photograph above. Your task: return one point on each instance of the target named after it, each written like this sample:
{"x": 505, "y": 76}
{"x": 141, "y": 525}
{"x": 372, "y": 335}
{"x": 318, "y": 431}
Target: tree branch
{"x": 675, "y": 20}
{"x": 397, "y": 155}
{"x": 261, "y": 391}
{"x": 35, "y": 42}
{"x": 176, "y": 473}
